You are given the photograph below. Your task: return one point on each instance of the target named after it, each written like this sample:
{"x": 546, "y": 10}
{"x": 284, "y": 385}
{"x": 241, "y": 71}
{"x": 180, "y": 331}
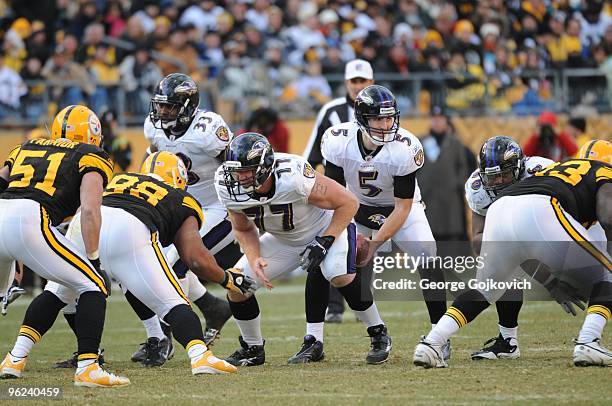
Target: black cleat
{"x": 380, "y": 345}
{"x": 158, "y": 352}
{"x": 210, "y": 335}
{"x": 247, "y": 356}
{"x": 72, "y": 362}
{"x": 140, "y": 354}
{"x": 311, "y": 351}
{"x": 333, "y": 318}
{"x": 499, "y": 348}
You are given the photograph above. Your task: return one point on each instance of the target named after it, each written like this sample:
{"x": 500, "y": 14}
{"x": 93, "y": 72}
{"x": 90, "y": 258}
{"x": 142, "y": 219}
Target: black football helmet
{"x": 377, "y": 101}
{"x": 174, "y": 103}
{"x": 247, "y": 153}
{"x": 502, "y": 163}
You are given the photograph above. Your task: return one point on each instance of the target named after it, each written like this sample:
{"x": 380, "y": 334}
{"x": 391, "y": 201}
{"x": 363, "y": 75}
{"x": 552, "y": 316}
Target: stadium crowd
{"x": 113, "y": 52}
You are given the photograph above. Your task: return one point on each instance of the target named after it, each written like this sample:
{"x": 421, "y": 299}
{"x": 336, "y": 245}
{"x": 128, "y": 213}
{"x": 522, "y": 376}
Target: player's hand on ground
{"x": 566, "y": 295}
{"x": 258, "y": 266}
{"x": 315, "y": 252}
{"x": 236, "y": 282}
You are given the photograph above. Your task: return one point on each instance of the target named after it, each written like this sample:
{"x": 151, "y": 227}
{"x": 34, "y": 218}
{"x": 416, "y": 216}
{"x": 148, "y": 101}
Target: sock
{"x": 153, "y": 327}
{"x": 593, "y": 325}
{"x": 357, "y": 298}
{"x": 91, "y": 311}
{"x": 509, "y": 306}
{"x": 316, "y": 330}
{"x": 23, "y": 345}
{"x": 141, "y": 310}
{"x": 370, "y": 317}
{"x": 507, "y": 332}
{"x": 71, "y": 320}
{"x": 445, "y": 328}
{"x": 185, "y": 324}
{"x": 196, "y": 348}
{"x": 316, "y": 295}
{"x": 86, "y": 359}
{"x": 435, "y": 299}
{"x": 248, "y": 319}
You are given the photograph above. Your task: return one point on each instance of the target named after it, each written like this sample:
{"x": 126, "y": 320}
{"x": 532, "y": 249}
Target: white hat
{"x": 328, "y": 16}
{"x": 358, "y": 68}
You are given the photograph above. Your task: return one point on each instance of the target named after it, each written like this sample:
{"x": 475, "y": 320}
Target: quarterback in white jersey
{"x": 306, "y": 218}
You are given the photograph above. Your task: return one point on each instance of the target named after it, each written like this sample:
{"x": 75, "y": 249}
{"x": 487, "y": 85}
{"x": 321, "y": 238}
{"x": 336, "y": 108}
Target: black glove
{"x": 315, "y": 252}
{"x": 236, "y": 282}
{"x": 102, "y": 273}
{"x": 566, "y": 295}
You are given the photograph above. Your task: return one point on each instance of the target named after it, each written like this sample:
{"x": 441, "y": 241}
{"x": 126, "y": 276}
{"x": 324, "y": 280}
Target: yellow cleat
{"x": 93, "y": 376}
{"x": 207, "y": 363}
{"x": 10, "y": 369}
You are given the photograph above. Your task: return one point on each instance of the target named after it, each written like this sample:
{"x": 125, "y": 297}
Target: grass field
{"x": 543, "y": 374}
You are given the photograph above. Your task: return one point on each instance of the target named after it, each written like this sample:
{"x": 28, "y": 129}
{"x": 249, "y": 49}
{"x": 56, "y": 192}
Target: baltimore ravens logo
{"x": 222, "y": 133}
{"x": 419, "y": 158}
{"x": 512, "y": 152}
{"x": 476, "y": 184}
{"x": 187, "y": 88}
{"x": 378, "y": 219}
{"x": 308, "y": 170}
{"x": 258, "y": 149}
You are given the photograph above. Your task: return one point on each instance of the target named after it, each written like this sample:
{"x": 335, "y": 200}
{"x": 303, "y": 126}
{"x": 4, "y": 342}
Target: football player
{"x": 199, "y": 137}
{"x": 307, "y": 219}
{"x": 377, "y": 160}
{"x": 42, "y": 183}
{"x": 141, "y": 213}
{"x": 558, "y": 204}
{"x": 501, "y": 164}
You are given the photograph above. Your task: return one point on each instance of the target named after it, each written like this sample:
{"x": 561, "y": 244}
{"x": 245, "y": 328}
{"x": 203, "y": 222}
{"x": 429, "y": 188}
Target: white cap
{"x": 358, "y": 68}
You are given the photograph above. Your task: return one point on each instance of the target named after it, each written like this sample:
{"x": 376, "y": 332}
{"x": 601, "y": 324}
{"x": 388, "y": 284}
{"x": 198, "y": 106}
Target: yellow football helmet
{"x": 167, "y": 167}
{"x": 77, "y": 123}
{"x": 599, "y": 150}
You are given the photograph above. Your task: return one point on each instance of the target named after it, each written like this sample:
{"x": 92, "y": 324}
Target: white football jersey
{"x": 204, "y": 140}
{"x": 477, "y": 197}
{"x": 287, "y": 214}
{"x": 371, "y": 178}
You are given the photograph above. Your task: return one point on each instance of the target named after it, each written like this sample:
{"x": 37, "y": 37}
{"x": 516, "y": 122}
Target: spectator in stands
{"x": 182, "y": 52}
{"x": 148, "y": 15}
{"x": 134, "y": 34}
{"x": 114, "y": 19}
{"x": 36, "y": 44}
{"x": 12, "y": 89}
{"x": 258, "y": 15}
{"x": 139, "y": 76}
{"x": 118, "y": 147}
{"x": 548, "y": 141}
{"x": 266, "y": 121}
{"x": 448, "y": 163}
{"x": 32, "y": 104}
{"x": 576, "y": 128}
{"x": 93, "y": 38}
{"x": 311, "y": 87}
{"x": 87, "y": 14}
{"x": 105, "y": 75}
{"x": 61, "y": 68}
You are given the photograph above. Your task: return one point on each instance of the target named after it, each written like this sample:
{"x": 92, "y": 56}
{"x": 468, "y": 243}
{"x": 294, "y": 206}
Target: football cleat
{"x": 216, "y": 316}
{"x": 72, "y": 362}
{"x": 140, "y": 354}
{"x": 591, "y": 354}
{"x": 93, "y": 376}
{"x": 311, "y": 351}
{"x": 446, "y": 351}
{"x": 10, "y": 369}
{"x": 247, "y": 356}
{"x": 210, "y": 335}
{"x": 207, "y": 363}
{"x": 428, "y": 355}
{"x": 158, "y": 352}
{"x": 333, "y": 318}
{"x": 380, "y": 344}
{"x": 499, "y": 347}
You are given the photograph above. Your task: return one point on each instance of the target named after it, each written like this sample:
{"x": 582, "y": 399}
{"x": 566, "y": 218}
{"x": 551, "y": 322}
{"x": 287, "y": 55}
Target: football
{"x": 363, "y": 245}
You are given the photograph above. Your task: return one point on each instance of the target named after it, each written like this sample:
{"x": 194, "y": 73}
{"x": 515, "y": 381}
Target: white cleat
{"x": 93, "y": 376}
{"x": 207, "y": 363}
{"x": 428, "y": 355}
{"x": 592, "y": 354}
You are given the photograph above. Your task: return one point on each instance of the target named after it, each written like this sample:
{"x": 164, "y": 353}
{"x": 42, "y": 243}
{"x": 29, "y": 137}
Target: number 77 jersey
{"x": 50, "y": 172}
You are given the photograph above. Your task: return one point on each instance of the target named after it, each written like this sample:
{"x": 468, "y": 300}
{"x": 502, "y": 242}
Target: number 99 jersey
{"x": 574, "y": 183}
{"x": 206, "y": 138}
{"x": 370, "y": 177}
{"x": 284, "y": 212}
{"x": 50, "y": 172}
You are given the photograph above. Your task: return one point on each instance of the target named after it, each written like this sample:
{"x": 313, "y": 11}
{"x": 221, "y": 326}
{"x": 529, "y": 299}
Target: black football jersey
{"x": 574, "y": 183}
{"x": 50, "y": 172}
{"x": 159, "y": 206}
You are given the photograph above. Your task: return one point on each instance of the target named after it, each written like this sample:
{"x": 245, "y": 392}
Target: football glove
{"x": 315, "y": 252}
{"x": 102, "y": 273}
{"x": 236, "y": 282}
{"x": 566, "y": 295}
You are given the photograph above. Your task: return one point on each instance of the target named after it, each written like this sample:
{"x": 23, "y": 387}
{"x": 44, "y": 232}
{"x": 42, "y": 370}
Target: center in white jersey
{"x": 206, "y": 138}
{"x": 284, "y": 212}
{"x": 371, "y": 178}
{"x": 479, "y": 199}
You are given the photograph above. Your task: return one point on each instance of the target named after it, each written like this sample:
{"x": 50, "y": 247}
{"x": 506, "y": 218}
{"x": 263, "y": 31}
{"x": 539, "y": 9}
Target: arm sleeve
{"x": 335, "y": 172}
{"x": 403, "y": 186}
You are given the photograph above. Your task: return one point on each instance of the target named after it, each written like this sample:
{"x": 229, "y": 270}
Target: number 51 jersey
{"x": 284, "y": 212}
{"x": 50, "y": 172}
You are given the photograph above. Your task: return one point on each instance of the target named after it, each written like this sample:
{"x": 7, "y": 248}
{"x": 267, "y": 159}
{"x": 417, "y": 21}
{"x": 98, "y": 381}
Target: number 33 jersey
{"x": 50, "y": 172}
{"x": 206, "y": 138}
{"x": 370, "y": 177}
{"x": 283, "y": 212}
{"x": 159, "y": 206}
